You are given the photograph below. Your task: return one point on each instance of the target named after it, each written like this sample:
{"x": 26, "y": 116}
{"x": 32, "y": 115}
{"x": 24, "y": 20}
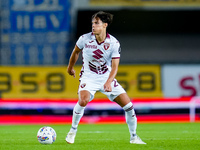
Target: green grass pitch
{"x": 168, "y": 136}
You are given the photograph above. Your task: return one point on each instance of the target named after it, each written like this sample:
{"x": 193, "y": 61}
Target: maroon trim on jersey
{"x": 107, "y": 36}
{"x": 99, "y": 43}
{"x": 115, "y": 57}
{"x": 82, "y": 69}
{"x": 82, "y": 58}
{"x": 81, "y": 72}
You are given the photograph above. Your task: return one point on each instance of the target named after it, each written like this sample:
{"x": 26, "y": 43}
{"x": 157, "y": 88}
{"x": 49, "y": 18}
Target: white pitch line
{"x": 96, "y": 132}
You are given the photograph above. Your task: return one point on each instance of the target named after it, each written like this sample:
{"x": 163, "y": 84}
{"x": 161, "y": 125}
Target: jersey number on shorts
{"x": 115, "y": 83}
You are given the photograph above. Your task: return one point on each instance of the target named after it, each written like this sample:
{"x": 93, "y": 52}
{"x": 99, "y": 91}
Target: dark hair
{"x": 104, "y": 17}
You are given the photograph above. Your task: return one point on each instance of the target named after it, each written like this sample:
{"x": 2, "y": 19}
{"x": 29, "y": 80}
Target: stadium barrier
{"x": 148, "y": 110}
{"x": 194, "y": 104}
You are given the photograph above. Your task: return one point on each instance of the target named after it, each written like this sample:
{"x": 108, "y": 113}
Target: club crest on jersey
{"x": 106, "y": 46}
{"x": 83, "y": 85}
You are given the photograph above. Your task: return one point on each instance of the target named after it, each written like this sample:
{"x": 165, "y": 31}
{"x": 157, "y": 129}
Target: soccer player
{"x": 101, "y": 55}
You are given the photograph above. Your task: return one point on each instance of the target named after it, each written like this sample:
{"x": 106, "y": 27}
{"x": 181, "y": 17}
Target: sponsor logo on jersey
{"x": 90, "y": 46}
{"x": 106, "y": 46}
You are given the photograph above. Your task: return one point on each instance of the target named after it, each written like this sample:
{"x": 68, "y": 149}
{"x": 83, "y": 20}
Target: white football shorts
{"x": 98, "y": 85}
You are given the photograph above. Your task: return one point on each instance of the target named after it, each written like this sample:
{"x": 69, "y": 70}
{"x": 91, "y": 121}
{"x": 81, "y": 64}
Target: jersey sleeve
{"x": 80, "y": 42}
{"x": 116, "y": 51}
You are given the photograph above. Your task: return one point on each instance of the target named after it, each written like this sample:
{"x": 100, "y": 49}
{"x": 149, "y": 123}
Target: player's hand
{"x": 71, "y": 72}
{"x": 107, "y": 87}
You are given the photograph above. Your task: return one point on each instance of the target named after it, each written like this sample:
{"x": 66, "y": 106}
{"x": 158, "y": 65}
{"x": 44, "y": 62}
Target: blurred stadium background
{"x": 160, "y": 60}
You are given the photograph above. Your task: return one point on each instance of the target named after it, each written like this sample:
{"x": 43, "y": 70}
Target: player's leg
{"x": 78, "y": 111}
{"x": 124, "y": 101}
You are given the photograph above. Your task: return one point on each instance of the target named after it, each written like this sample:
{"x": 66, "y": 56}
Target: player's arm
{"x": 113, "y": 73}
{"x": 73, "y": 59}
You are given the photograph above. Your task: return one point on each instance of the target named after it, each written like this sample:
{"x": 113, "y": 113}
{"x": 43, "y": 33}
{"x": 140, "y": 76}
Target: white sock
{"x": 77, "y": 115}
{"x": 131, "y": 119}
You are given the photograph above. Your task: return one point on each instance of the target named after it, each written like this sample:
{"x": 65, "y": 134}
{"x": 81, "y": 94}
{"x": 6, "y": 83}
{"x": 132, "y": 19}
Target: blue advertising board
{"x": 35, "y": 32}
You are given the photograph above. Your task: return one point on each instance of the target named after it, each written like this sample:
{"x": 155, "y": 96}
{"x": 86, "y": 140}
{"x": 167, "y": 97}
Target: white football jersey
{"x": 97, "y": 57}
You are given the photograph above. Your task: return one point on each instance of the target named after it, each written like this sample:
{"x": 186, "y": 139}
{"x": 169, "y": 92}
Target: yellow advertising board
{"x": 37, "y": 82}
{"x": 54, "y": 82}
{"x": 147, "y": 3}
{"x": 142, "y": 80}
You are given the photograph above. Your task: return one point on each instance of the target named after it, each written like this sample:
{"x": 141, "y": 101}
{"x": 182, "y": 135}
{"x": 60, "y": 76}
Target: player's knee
{"x": 83, "y": 100}
{"x": 83, "y": 103}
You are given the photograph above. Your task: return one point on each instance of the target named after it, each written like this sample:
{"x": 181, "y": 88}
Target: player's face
{"x": 98, "y": 26}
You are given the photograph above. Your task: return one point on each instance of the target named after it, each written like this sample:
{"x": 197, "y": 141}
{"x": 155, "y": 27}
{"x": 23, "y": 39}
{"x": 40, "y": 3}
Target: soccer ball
{"x": 46, "y": 135}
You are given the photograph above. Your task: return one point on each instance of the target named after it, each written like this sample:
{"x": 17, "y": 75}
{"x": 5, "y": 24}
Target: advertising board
{"x": 54, "y": 82}
{"x": 181, "y": 80}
